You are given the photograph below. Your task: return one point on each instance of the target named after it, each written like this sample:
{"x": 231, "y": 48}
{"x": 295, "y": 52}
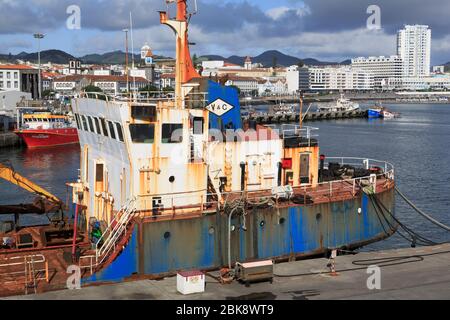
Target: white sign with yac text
{"x": 219, "y": 107}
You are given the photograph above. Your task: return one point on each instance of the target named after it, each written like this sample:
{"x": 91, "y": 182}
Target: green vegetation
{"x": 91, "y": 88}
{"x": 149, "y": 88}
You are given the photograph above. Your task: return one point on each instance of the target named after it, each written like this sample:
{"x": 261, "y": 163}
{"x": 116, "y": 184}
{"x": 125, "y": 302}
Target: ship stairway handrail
{"x": 115, "y": 230}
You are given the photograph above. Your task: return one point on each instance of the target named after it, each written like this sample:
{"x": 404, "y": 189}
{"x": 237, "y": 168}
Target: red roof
{"x": 168, "y": 76}
{"x": 16, "y": 67}
{"x": 93, "y": 78}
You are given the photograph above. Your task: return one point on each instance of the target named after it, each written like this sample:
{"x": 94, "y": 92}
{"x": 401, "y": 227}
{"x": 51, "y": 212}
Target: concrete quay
{"x": 407, "y": 274}
{"x": 9, "y": 139}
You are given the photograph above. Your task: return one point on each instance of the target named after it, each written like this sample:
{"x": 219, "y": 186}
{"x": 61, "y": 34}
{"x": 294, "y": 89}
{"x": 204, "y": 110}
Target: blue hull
{"x": 160, "y": 248}
{"x": 374, "y": 113}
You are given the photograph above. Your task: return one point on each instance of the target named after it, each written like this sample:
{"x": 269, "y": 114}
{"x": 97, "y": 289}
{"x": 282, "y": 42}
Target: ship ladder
{"x": 30, "y": 276}
{"x": 116, "y": 229}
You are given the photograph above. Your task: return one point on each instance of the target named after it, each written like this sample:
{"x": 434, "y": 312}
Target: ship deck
{"x": 334, "y": 191}
{"x": 49, "y": 262}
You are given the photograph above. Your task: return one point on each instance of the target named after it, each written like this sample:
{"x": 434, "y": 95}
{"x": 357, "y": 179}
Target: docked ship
{"x": 181, "y": 184}
{"x": 342, "y": 105}
{"x": 45, "y": 129}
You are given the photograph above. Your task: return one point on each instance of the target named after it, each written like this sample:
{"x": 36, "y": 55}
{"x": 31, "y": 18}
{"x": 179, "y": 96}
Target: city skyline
{"x": 317, "y": 29}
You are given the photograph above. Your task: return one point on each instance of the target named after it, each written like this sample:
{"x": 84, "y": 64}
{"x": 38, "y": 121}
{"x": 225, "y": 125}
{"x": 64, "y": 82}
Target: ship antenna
{"x": 132, "y": 57}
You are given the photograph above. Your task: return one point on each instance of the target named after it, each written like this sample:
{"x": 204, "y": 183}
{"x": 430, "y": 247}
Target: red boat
{"x": 47, "y": 130}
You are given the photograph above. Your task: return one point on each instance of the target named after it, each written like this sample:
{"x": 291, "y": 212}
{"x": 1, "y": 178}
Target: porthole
{"x": 211, "y": 231}
{"x": 282, "y": 220}
{"x": 172, "y": 179}
{"x": 167, "y": 235}
{"x": 262, "y": 224}
{"x": 318, "y": 216}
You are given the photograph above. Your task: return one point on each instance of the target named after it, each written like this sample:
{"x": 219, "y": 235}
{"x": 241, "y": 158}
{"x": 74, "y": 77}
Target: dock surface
{"x": 412, "y": 274}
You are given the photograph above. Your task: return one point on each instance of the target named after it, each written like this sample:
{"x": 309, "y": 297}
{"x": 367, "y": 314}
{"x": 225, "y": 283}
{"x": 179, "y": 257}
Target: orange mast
{"x": 185, "y": 70}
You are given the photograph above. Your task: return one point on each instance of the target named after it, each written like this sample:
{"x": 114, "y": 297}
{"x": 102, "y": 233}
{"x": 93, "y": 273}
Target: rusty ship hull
{"x": 158, "y": 247}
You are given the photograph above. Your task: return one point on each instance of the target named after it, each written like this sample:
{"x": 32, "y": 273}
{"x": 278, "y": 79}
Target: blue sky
{"x": 331, "y": 30}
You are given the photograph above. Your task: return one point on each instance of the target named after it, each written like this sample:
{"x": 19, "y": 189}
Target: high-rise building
{"x": 414, "y": 47}
{"x": 382, "y": 68}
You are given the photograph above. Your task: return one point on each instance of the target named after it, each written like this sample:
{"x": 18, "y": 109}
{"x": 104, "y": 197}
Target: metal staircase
{"x": 113, "y": 234}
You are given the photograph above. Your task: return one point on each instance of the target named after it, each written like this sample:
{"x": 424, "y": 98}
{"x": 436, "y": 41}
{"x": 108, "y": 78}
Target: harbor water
{"x": 416, "y": 144}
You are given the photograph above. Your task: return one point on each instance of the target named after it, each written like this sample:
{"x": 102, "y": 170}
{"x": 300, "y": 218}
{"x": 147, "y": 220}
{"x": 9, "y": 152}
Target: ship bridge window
{"x": 112, "y": 132}
{"x": 172, "y": 133}
{"x": 84, "y": 122}
{"x": 146, "y": 113}
{"x": 91, "y": 124}
{"x": 142, "y": 133}
{"x": 77, "y": 120}
{"x": 97, "y": 125}
{"x": 119, "y": 131}
{"x": 104, "y": 128}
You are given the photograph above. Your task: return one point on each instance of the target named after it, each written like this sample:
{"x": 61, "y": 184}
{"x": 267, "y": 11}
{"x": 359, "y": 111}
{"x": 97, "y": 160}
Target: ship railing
{"x": 88, "y": 262}
{"x": 21, "y": 266}
{"x": 350, "y": 187}
{"x": 294, "y": 130}
{"x": 192, "y": 100}
{"x": 114, "y": 231}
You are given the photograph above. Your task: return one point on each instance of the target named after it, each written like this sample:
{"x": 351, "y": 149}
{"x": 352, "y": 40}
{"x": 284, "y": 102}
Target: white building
{"x": 436, "y": 83}
{"x": 272, "y": 86}
{"x": 340, "y": 78}
{"x": 414, "y": 47}
{"x": 438, "y": 69}
{"x": 293, "y": 79}
{"x": 247, "y": 85}
{"x": 19, "y": 78}
{"x": 382, "y": 68}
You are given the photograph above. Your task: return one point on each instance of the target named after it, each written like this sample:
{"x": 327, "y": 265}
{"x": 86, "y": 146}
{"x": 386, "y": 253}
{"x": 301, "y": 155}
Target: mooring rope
{"x": 423, "y": 214}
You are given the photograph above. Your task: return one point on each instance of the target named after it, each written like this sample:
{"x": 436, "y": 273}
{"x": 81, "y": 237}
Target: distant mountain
{"x": 55, "y": 56}
{"x": 269, "y": 58}
{"x": 115, "y": 57}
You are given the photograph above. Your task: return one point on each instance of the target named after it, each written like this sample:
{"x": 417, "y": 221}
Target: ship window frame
{"x": 148, "y": 140}
{"x": 97, "y": 125}
{"x": 195, "y": 126}
{"x": 119, "y": 129}
{"x": 77, "y": 120}
{"x": 173, "y": 128}
{"x": 84, "y": 122}
{"x": 104, "y": 127}
{"x": 112, "y": 131}
{"x": 91, "y": 124}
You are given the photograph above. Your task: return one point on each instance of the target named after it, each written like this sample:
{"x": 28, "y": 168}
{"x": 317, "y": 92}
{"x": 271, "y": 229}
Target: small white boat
{"x": 342, "y": 105}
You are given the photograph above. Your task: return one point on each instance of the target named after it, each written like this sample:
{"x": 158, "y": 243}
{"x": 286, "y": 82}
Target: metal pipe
{"x": 229, "y": 236}
{"x": 75, "y": 226}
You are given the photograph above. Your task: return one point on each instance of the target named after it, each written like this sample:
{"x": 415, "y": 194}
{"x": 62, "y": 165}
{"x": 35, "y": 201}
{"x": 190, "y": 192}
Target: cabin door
{"x": 304, "y": 168}
{"x": 197, "y": 133}
{"x": 253, "y": 172}
{"x": 99, "y": 189}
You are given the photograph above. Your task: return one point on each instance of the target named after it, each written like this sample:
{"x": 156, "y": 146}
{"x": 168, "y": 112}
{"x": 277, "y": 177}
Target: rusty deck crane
{"x": 44, "y": 203}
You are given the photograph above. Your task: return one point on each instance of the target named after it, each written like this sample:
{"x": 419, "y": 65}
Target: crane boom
{"x": 10, "y": 175}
